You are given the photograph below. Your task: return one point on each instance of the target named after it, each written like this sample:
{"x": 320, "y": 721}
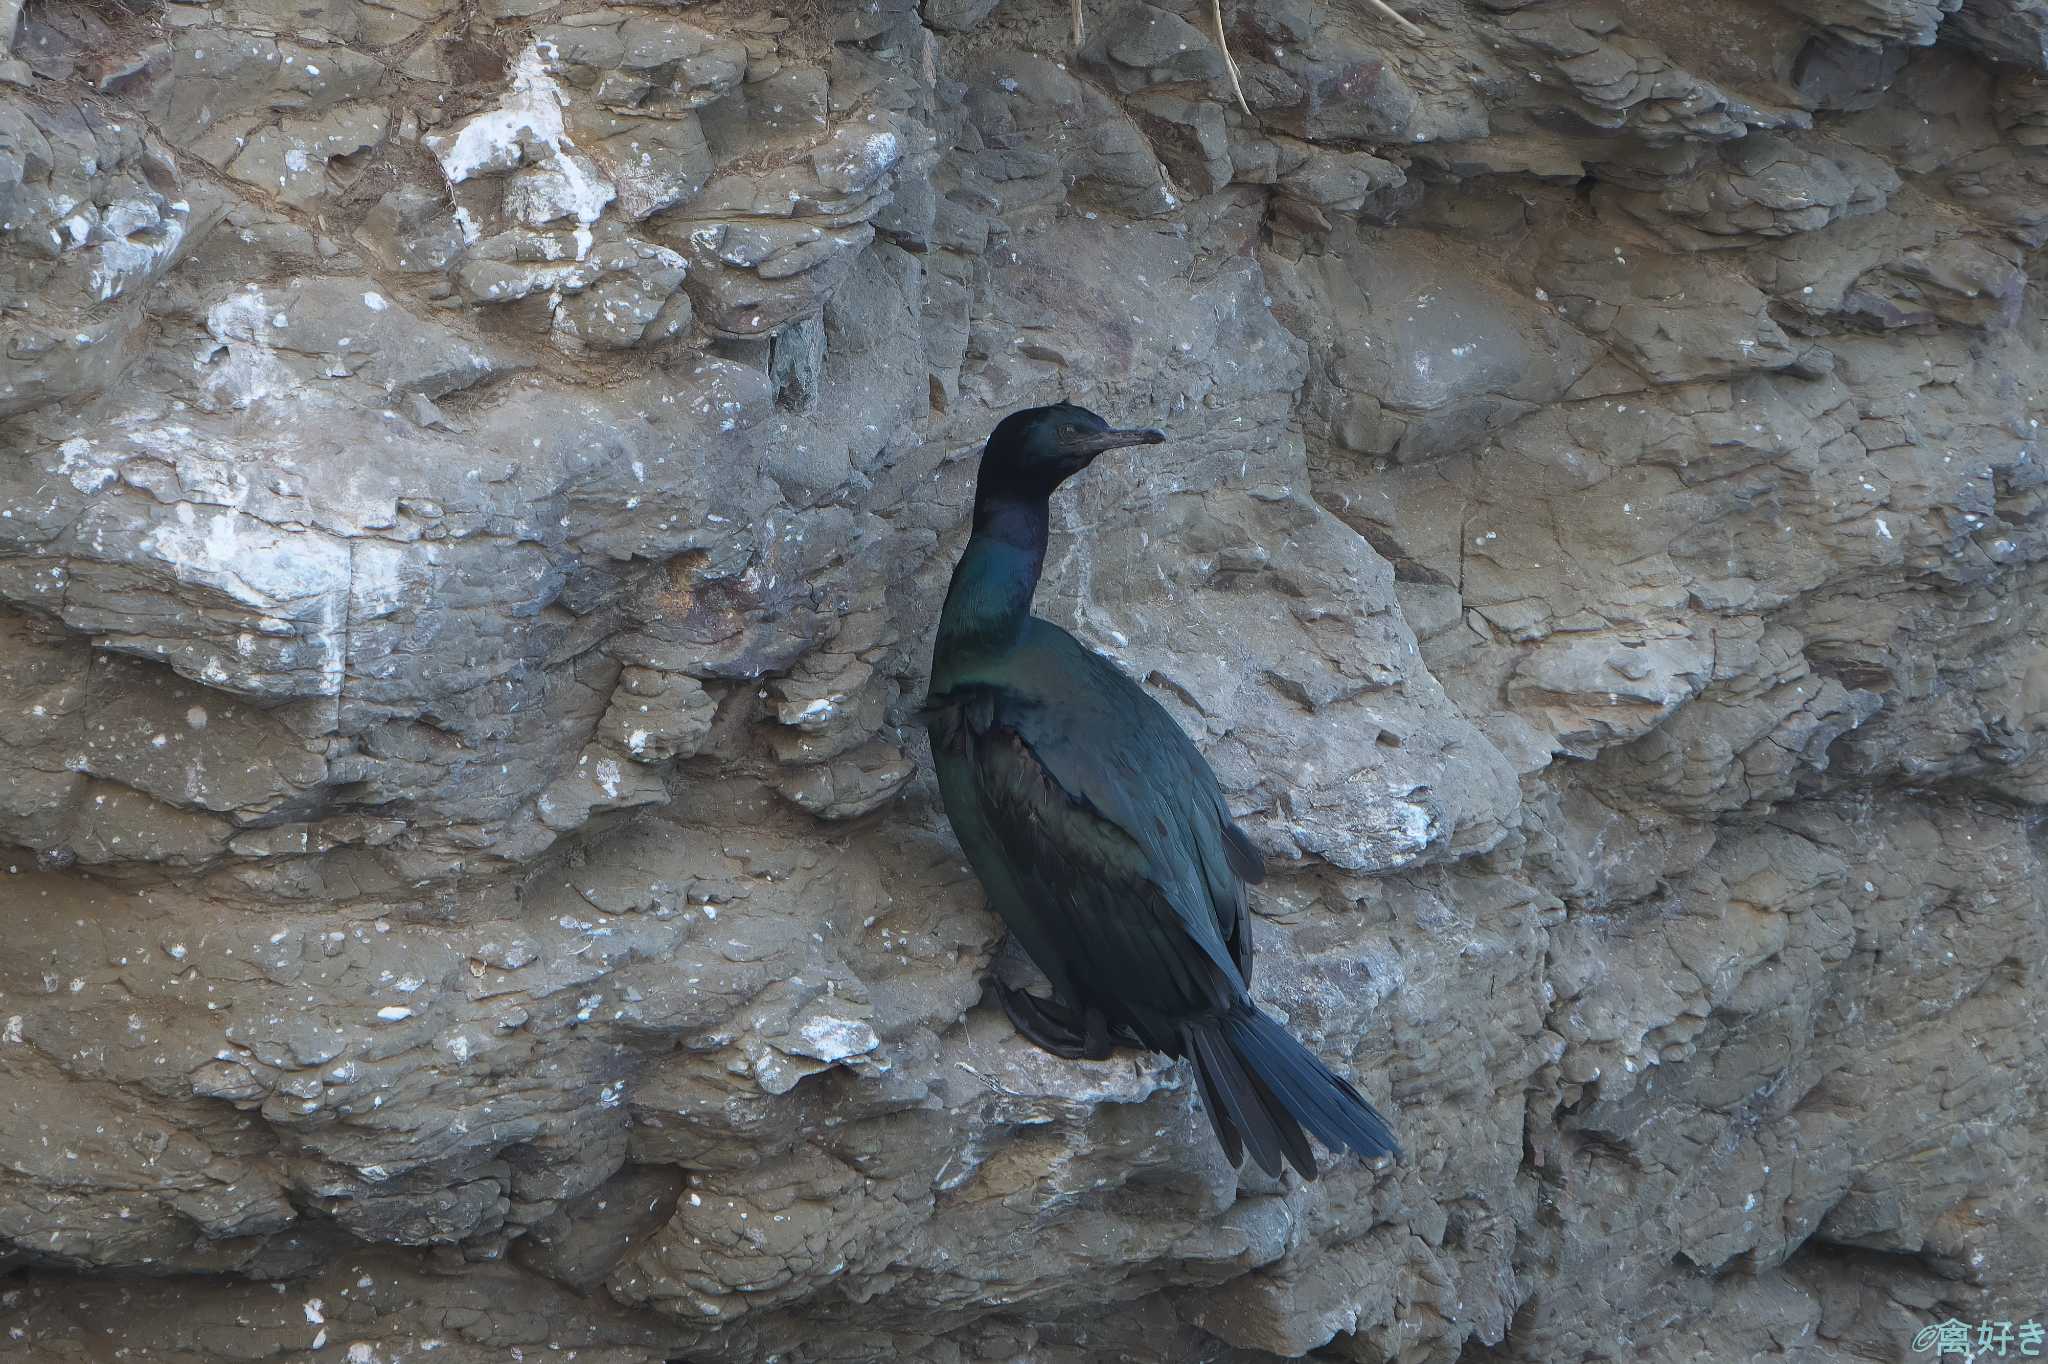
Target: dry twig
{"x": 1384, "y": 8}
{"x": 1229, "y": 62}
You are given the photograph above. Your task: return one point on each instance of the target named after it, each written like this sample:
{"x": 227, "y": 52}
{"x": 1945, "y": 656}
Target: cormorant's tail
{"x": 1261, "y": 1087}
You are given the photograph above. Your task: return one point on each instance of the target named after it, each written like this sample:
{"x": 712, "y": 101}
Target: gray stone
{"x": 957, "y": 16}
{"x": 293, "y": 160}
{"x": 1765, "y": 187}
{"x": 635, "y": 299}
{"x": 410, "y": 230}
{"x": 2005, "y": 30}
{"x": 1636, "y": 303}
{"x": 850, "y": 785}
{"x": 1190, "y": 137}
{"x": 1876, "y": 23}
{"x": 13, "y": 71}
{"x": 1444, "y": 359}
{"x": 642, "y": 64}
{"x": 1144, "y": 46}
{"x": 655, "y": 716}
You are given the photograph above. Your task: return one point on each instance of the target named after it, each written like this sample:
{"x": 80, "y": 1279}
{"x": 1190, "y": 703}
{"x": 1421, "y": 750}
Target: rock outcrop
{"x": 476, "y": 487}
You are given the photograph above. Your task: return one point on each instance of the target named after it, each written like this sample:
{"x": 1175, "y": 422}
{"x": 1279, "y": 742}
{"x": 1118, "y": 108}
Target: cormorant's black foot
{"x": 1076, "y": 1034}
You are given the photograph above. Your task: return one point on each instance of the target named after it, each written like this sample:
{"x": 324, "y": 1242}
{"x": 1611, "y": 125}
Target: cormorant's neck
{"x": 990, "y": 599}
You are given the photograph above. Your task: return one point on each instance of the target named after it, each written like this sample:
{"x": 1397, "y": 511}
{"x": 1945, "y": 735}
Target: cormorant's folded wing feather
{"x": 1244, "y": 858}
{"x": 1093, "y": 805}
{"x": 1111, "y": 745}
{"x": 1118, "y": 902}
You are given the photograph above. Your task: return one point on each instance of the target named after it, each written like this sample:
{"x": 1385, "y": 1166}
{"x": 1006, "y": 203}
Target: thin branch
{"x": 1229, "y": 62}
{"x": 1080, "y": 30}
{"x": 1384, "y": 8}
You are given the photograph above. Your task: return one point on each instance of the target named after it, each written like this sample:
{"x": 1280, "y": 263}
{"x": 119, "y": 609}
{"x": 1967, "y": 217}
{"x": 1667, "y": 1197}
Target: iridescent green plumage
{"x": 1099, "y": 831}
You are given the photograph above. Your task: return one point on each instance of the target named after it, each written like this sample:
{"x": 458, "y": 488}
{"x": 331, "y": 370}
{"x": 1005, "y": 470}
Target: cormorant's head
{"x": 1034, "y": 451}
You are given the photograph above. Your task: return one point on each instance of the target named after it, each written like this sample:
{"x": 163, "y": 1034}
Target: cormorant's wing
{"x": 1107, "y": 741}
{"x": 1115, "y": 929}
{"x": 1105, "y": 830}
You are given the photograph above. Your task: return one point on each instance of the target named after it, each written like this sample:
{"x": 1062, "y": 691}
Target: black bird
{"x": 1099, "y": 832}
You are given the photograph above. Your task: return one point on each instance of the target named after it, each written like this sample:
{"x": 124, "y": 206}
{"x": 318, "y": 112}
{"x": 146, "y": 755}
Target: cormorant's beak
{"x": 1089, "y": 444}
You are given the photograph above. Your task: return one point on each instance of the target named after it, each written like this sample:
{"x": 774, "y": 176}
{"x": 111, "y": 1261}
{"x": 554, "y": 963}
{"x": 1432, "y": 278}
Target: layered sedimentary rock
{"x": 476, "y": 488}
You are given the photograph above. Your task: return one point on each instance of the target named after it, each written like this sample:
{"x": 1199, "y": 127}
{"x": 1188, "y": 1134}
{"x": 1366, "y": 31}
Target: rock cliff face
{"x": 476, "y": 486}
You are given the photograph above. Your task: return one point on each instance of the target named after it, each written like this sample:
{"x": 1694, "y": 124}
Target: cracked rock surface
{"x": 477, "y": 483}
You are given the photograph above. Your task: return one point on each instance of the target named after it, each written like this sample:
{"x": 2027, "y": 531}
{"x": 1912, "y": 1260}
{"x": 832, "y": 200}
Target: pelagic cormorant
{"x": 1099, "y": 832}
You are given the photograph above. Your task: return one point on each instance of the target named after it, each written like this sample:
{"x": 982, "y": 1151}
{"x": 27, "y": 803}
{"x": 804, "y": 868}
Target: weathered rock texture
{"x": 476, "y": 489}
